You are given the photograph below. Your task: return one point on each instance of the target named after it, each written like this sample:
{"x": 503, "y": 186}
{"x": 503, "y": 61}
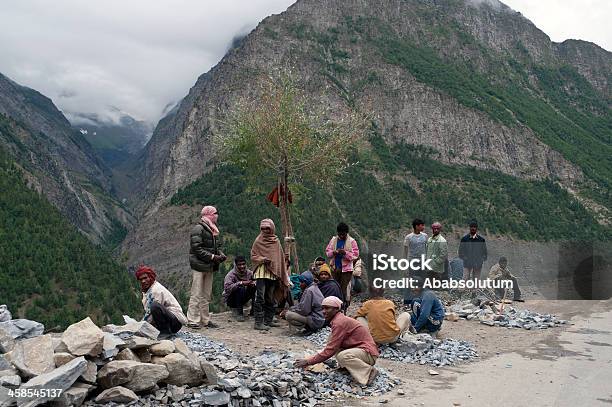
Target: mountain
{"x": 118, "y": 143}
{"x": 477, "y": 113}
{"x": 115, "y": 142}
{"x": 60, "y": 163}
{"x": 49, "y": 271}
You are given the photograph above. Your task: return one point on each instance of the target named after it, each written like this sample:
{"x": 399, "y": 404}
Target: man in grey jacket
{"x": 308, "y": 313}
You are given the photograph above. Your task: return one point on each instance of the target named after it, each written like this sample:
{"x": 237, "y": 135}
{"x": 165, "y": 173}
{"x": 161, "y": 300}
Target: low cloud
{"x": 141, "y": 57}
{"x": 137, "y": 56}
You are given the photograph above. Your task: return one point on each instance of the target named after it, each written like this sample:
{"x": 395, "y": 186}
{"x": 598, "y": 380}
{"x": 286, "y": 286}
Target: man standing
{"x": 307, "y": 313}
{"x": 500, "y": 271}
{"x": 473, "y": 252}
{"x": 204, "y": 259}
{"x": 379, "y": 316}
{"x": 161, "y": 309}
{"x": 342, "y": 250}
{"x": 350, "y": 342}
{"x": 239, "y": 288}
{"x": 427, "y": 310}
{"x": 415, "y": 245}
{"x": 437, "y": 251}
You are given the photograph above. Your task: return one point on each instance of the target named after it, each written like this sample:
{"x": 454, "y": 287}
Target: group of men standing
{"x": 324, "y": 291}
{"x": 471, "y": 255}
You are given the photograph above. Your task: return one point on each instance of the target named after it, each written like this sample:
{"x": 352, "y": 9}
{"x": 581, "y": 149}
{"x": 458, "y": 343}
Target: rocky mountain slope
{"x": 117, "y": 144}
{"x": 48, "y": 270}
{"x": 60, "y": 163}
{"x": 473, "y": 106}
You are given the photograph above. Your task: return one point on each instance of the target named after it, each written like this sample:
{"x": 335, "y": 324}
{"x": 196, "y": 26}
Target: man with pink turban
{"x": 205, "y": 256}
{"x": 350, "y": 342}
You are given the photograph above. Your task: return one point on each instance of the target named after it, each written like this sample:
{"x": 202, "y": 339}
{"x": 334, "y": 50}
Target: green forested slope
{"x": 386, "y": 190}
{"x": 49, "y": 272}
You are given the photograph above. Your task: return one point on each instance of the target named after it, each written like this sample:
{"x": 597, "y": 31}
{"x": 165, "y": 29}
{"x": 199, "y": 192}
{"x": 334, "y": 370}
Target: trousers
{"x": 164, "y": 320}
{"x": 199, "y": 300}
{"x": 264, "y": 300}
{"x": 358, "y": 362}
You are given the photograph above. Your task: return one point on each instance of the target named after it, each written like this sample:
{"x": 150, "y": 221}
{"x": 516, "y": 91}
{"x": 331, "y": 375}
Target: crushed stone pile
{"x": 421, "y": 348}
{"x": 488, "y": 313}
{"x": 271, "y": 379}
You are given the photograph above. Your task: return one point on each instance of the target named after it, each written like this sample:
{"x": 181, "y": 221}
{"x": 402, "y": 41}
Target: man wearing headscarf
{"x": 204, "y": 258}
{"x": 239, "y": 288}
{"x": 307, "y": 313}
{"x": 161, "y": 309}
{"x": 270, "y": 266}
{"x": 349, "y": 341}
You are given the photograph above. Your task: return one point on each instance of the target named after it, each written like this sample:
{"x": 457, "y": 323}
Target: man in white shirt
{"x": 415, "y": 245}
{"x": 162, "y": 310}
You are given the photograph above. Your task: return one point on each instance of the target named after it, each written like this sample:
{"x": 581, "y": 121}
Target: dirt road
{"x": 570, "y": 366}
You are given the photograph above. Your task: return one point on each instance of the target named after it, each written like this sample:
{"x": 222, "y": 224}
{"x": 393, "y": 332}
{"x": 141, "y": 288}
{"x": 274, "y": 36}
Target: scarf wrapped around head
{"x": 142, "y": 269}
{"x": 332, "y": 301}
{"x": 306, "y": 278}
{"x": 207, "y": 217}
{"x": 267, "y": 246}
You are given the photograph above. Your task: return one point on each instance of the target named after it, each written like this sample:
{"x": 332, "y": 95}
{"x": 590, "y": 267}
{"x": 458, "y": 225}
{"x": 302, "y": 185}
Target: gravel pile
{"x": 421, "y": 348}
{"x": 488, "y": 314}
{"x": 266, "y": 380}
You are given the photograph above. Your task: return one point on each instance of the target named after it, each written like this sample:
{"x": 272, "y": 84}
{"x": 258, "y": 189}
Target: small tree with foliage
{"x": 280, "y": 137}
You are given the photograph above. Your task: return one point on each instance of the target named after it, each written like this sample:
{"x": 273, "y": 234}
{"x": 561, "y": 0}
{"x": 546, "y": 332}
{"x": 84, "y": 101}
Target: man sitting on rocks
{"x": 379, "y": 316}
{"x": 500, "y": 271}
{"x": 162, "y": 310}
{"x": 349, "y": 341}
{"x": 427, "y": 310}
{"x": 307, "y": 313}
{"x": 328, "y": 286}
{"x": 239, "y": 288}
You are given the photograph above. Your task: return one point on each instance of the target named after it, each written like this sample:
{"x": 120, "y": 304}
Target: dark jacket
{"x": 473, "y": 252}
{"x": 203, "y": 246}
{"x": 329, "y": 288}
{"x": 426, "y": 307}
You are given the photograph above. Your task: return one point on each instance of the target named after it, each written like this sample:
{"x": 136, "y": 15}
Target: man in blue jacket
{"x": 427, "y": 311}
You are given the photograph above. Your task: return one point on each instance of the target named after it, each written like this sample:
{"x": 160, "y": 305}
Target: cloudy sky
{"x": 140, "y": 55}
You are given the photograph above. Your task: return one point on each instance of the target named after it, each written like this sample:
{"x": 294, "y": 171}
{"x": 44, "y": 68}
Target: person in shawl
{"x": 161, "y": 309}
{"x": 239, "y": 288}
{"x": 328, "y": 286}
{"x": 270, "y": 267}
{"x": 204, "y": 258}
